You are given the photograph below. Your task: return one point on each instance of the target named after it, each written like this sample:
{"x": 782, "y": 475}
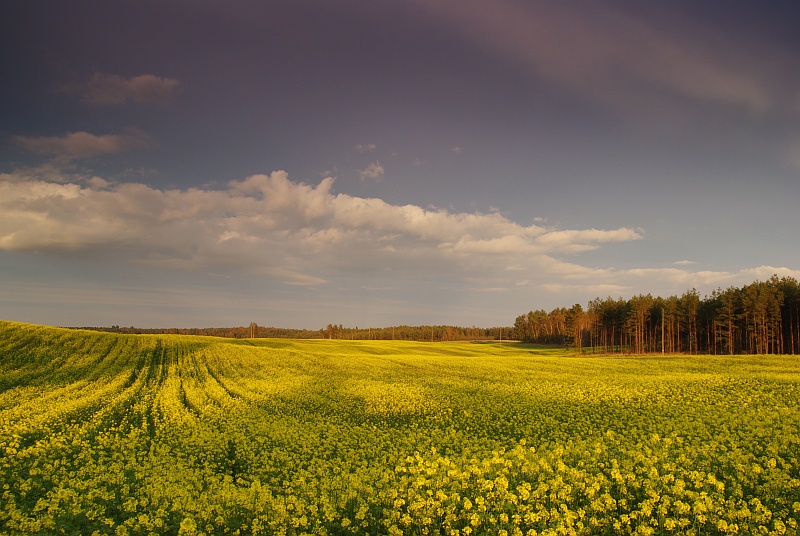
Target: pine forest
{"x": 759, "y": 318}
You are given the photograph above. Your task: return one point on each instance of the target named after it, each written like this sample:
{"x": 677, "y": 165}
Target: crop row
{"x": 122, "y": 434}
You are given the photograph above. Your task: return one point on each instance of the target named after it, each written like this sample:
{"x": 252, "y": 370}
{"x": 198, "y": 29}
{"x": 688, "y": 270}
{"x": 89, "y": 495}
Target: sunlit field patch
{"x": 122, "y": 434}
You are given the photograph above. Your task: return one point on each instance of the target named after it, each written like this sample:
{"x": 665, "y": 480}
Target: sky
{"x": 296, "y": 163}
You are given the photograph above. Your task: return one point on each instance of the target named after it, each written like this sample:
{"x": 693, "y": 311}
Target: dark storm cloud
{"x": 673, "y": 128}
{"x": 610, "y": 53}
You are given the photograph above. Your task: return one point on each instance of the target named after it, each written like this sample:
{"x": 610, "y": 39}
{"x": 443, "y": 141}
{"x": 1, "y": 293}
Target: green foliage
{"x": 759, "y": 318}
{"x": 139, "y": 434}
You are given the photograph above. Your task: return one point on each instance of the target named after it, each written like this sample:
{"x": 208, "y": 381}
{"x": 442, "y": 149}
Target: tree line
{"x": 236, "y": 332}
{"x": 433, "y": 333}
{"x": 760, "y": 318}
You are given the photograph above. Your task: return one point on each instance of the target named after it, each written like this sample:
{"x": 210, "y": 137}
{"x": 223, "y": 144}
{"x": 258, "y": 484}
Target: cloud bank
{"x": 271, "y": 225}
{"x": 301, "y": 234}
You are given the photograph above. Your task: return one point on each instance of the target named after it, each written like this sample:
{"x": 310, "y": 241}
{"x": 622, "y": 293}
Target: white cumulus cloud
{"x": 269, "y": 225}
{"x": 307, "y": 235}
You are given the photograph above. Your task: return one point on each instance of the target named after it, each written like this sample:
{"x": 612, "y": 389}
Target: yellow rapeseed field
{"x": 135, "y": 434}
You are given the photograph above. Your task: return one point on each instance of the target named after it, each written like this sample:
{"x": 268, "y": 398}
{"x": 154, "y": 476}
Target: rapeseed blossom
{"x": 112, "y": 434}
